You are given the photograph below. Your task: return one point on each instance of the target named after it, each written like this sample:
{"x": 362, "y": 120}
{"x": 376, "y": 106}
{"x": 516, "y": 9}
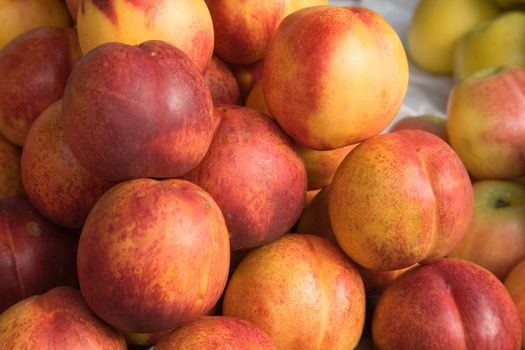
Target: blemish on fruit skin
{"x": 107, "y": 7}
{"x": 33, "y": 229}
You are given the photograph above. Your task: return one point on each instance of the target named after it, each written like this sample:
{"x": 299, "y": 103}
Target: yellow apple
{"x": 486, "y": 123}
{"x": 498, "y": 42}
{"x": 496, "y": 237}
{"x": 438, "y": 25}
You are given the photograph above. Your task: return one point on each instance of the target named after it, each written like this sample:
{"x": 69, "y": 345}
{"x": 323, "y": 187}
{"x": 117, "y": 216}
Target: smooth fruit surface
{"x": 400, "y": 198}
{"x": 437, "y": 26}
{"x": 334, "y": 76}
{"x": 302, "y": 291}
{"x": 448, "y": 304}
{"x": 486, "y": 123}
{"x": 185, "y": 24}
{"x": 137, "y": 111}
{"x": 496, "y": 237}
{"x": 494, "y": 43}
{"x": 163, "y": 255}
{"x": 58, "y": 319}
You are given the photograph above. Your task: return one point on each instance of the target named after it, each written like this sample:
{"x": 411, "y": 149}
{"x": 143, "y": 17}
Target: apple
{"x": 244, "y": 29}
{"x": 162, "y": 255}
{"x": 10, "y": 174}
{"x": 185, "y": 24}
{"x": 137, "y": 111}
{"x": 496, "y": 237}
{"x": 447, "y": 304}
{"x": 35, "y": 255}
{"x": 255, "y": 99}
{"x": 515, "y": 284}
{"x": 17, "y": 17}
{"x": 221, "y": 82}
{"x": 497, "y": 42}
{"x": 217, "y": 331}
{"x": 57, "y": 185}
{"x": 334, "y": 76}
{"x": 427, "y": 122}
{"x": 486, "y": 123}
{"x": 437, "y": 26}
{"x": 256, "y": 176}
{"x": 400, "y": 198}
{"x": 247, "y": 75}
{"x": 34, "y": 68}
{"x": 58, "y": 319}
{"x": 301, "y": 290}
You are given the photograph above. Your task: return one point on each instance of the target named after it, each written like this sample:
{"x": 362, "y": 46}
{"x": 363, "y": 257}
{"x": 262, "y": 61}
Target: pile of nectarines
{"x": 224, "y": 174}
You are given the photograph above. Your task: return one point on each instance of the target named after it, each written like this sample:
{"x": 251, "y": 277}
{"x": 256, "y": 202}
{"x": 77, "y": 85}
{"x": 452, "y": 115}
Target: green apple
{"x": 486, "y": 123}
{"x": 438, "y": 25}
{"x": 496, "y": 238}
{"x": 497, "y": 42}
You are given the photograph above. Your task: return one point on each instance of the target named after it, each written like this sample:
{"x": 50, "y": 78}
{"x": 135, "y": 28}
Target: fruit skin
{"x": 497, "y": 42}
{"x": 448, "y": 304}
{"x": 137, "y": 111}
{"x": 10, "y": 174}
{"x": 486, "y": 123}
{"x": 163, "y": 255}
{"x": 35, "y": 255}
{"x": 437, "y": 26}
{"x": 221, "y": 82}
{"x": 58, "y": 319}
{"x": 322, "y": 165}
{"x": 247, "y": 75}
{"x": 400, "y": 198}
{"x": 376, "y": 281}
{"x": 18, "y": 17}
{"x": 427, "y": 122}
{"x": 34, "y": 69}
{"x": 322, "y": 96}
{"x": 515, "y": 284}
{"x": 243, "y": 30}
{"x": 185, "y": 24}
{"x": 57, "y": 185}
{"x": 217, "y": 332}
{"x": 302, "y": 290}
{"x": 72, "y": 7}
{"x": 258, "y": 182}
{"x": 315, "y": 218}
{"x": 255, "y": 99}
{"x": 496, "y": 237}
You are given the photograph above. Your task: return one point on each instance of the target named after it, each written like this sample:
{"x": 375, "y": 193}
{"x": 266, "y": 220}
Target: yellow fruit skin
{"x": 17, "y": 17}
{"x": 438, "y": 25}
{"x": 498, "y": 42}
